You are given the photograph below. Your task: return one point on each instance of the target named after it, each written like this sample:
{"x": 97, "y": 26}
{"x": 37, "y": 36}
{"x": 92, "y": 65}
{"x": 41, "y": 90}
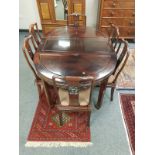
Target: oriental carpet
{"x": 127, "y": 104}
{"x": 47, "y": 132}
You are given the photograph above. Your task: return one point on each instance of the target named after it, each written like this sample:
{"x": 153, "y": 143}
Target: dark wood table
{"x": 76, "y": 52}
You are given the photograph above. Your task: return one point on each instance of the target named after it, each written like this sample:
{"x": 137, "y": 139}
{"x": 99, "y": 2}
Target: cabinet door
{"x": 77, "y": 6}
{"x": 47, "y": 13}
{"x": 44, "y": 7}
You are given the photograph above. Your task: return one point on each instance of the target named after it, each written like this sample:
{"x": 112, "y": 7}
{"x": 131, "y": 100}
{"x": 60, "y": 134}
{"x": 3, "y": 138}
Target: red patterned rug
{"x": 47, "y": 132}
{"x": 127, "y": 104}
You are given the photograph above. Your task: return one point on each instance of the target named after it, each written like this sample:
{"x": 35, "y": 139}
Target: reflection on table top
{"x": 64, "y": 44}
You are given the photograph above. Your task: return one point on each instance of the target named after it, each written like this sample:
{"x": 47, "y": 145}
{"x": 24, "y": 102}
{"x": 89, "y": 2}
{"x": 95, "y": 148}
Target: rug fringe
{"x": 57, "y": 144}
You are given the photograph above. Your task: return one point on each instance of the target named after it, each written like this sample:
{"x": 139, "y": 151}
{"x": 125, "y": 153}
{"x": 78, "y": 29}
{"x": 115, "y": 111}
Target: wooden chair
{"x": 34, "y": 31}
{"x": 73, "y": 94}
{"x": 122, "y": 57}
{"x": 65, "y": 8}
{"x": 29, "y": 48}
{"x": 76, "y": 20}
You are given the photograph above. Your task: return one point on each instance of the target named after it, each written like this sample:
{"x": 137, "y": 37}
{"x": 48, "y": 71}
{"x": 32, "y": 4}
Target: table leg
{"x": 101, "y": 94}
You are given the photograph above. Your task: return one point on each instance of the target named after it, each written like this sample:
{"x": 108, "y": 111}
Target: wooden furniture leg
{"x": 88, "y": 121}
{"x": 112, "y": 93}
{"x": 101, "y": 94}
{"x": 60, "y": 118}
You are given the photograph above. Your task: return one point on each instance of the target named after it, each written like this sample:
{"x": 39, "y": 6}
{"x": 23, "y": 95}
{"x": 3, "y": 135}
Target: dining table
{"x": 76, "y": 51}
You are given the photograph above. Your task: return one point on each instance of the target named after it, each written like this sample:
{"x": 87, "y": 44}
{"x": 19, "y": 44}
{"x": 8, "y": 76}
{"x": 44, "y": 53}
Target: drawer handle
{"x": 110, "y": 23}
{"x": 131, "y": 23}
{"x": 112, "y": 13}
{"x": 129, "y": 32}
{"x": 133, "y": 14}
{"x": 114, "y": 4}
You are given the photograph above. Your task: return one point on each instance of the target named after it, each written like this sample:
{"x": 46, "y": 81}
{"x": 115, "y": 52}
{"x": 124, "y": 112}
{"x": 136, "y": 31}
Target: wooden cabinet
{"x": 50, "y": 13}
{"x": 118, "y": 12}
{"x": 47, "y": 15}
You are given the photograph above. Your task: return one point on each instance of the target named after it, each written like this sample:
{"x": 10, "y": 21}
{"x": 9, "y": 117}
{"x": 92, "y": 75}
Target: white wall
{"x": 91, "y": 12}
{"x": 28, "y": 13}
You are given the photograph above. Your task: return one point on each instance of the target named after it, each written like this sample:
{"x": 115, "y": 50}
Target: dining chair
{"x": 76, "y": 20}
{"x": 73, "y": 94}
{"x": 29, "y": 48}
{"x": 122, "y": 57}
{"x": 34, "y": 31}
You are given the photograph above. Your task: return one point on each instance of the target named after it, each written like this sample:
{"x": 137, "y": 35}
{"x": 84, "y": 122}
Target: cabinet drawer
{"x": 118, "y": 21}
{"x": 126, "y": 32}
{"x": 118, "y": 4}
{"x": 118, "y": 13}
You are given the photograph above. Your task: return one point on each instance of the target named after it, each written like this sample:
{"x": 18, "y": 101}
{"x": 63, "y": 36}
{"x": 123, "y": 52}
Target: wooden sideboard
{"x": 47, "y": 13}
{"x": 120, "y": 13}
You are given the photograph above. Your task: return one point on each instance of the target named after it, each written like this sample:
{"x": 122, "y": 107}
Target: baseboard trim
{"x": 26, "y": 30}
{"x": 23, "y": 30}
{"x": 131, "y": 40}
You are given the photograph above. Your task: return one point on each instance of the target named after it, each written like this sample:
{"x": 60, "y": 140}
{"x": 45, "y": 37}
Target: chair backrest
{"x": 113, "y": 33}
{"x": 76, "y": 20}
{"x": 34, "y": 31}
{"x": 73, "y": 90}
{"x": 122, "y": 57}
{"x": 29, "y": 48}
{"x": 117, "y": 45}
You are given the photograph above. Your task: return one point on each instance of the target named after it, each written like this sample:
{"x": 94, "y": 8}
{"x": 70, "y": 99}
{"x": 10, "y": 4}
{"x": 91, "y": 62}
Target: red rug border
{"x": 125, "y": 121}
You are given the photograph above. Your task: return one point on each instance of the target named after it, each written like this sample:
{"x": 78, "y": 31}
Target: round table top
{"x": 70, "y": 52}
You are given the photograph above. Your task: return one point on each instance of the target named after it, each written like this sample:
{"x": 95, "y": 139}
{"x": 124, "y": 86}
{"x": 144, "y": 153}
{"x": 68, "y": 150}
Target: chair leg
{"x": 39, "y": 90}
{"x": 60, "y": 118}
{"x": 112, "y": 93}
{"x": 88, "y": 121}
{"x": 48, "y": 95}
